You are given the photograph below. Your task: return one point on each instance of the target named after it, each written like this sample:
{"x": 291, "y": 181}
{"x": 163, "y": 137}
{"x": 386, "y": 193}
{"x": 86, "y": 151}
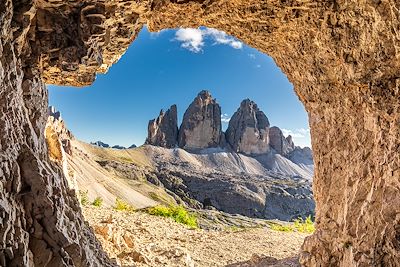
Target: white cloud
{"x": 303, "y": 131}
{"x": 194, "y": 39}
{"x": 225, "y": 118}
{"x": 301, "y": 136}
{"x": 296, "y": 133}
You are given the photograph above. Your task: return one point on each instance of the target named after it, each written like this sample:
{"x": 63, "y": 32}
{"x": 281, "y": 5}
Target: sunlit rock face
{"x": 342, "y": 58}
{"x": 163, "y": 131}
{"x": 201, "y": 124}
{"x": 279, "y": 142}
{"x": 248, "y": 129}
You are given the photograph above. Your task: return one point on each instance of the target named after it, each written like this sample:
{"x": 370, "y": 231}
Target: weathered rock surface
{"x": 248, "y": 129}
{"x": 232, "y": 183}
{"x": 58, "y": 136}
{"x": 163, "y": 131}
{"x": 201, "y": 124}
{"x": 342, "y": 58}
{"x": 279, "y": 142}
{"x": 41, "y": 221}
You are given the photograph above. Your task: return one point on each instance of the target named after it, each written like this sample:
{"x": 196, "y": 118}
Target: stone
{"x": 248, "y": 130}
{"x": 279, "y": 143}
{"x": 57, "y": 132}
{"x": 289, "y": 141}
{"x": 341, "y": 57}
{"x": 201, "y": 124}
{"x": 163, "y": 131}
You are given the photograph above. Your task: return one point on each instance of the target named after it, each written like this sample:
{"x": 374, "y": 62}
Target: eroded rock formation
{"x": 248, "y": 129}
{"x": 163, "y": 131}
{"x": 341, "y": 56}
{"x": 201, "y": 124}
{"x": 279, "y": 142}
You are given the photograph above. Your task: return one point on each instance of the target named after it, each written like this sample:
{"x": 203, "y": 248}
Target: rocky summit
{"x": 279, "y": 143}
{"x": 201, "y": 124}
{"x": 248, "y": 129}
{"x": 248, "y": 133}
{"x": 163, "y": 131}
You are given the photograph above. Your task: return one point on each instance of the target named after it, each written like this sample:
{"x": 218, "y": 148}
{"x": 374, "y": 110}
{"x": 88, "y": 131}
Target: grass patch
{"x": 126, "y": 159}
{"x": 97, "y": 202}
{"x": 121, "y": 205}
{"x": 304, "y": 226}
{"x": 83, "y": 196}
{"x": 282, "y": 228}
{"x": 298, "y": 225}
{"x": 178, "y": 213}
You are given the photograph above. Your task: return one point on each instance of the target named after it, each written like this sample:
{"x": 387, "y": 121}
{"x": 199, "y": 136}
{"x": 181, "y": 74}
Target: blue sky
{"x": 171, "y": 67}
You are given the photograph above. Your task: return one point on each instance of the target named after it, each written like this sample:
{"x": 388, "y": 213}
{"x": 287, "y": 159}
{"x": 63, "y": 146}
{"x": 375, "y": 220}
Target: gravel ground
{"x": 139, "y": 239}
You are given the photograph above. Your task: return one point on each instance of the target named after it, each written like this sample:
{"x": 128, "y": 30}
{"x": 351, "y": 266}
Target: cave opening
{"x": 341, "y": 57}
{"x": 260, "y": 165}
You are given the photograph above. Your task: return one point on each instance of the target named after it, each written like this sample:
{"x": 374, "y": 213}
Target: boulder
{"x": 201, "y": 124}
{"x": 163, "y": 131}
{"x": 248, "y": 130}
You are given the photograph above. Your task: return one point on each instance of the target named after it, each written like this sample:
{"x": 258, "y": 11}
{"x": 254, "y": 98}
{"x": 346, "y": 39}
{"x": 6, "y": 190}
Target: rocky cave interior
{"x": 343, "y": 58}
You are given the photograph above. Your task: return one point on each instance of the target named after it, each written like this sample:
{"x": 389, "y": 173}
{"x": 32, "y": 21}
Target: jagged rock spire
{"x": 201, "y": 124}
{"x": 163, "y": 131}
{"x": 248, "y": 130}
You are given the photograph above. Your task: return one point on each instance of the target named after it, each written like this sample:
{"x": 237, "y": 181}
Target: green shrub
{"x": 97, "y": 202}
{"x": 298, "y": 225}
{"x": 178, "y": 213}
{"x": 122, "y": 205}
{"x": 304, "y": 226}
{"x": 282, "y": 228}
{"x": 83, "y": 196}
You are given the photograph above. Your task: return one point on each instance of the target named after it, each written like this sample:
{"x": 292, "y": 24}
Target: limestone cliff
{"x": 279, "y": 142}
{"x": 163, "y": 131}
{"x": 201, "y": 124}
{"x": 248, "y": 129}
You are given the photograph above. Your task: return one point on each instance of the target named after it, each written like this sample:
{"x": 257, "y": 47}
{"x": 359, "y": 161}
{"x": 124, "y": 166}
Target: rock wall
{"x": 248, "y": 129}
{"x": 41, "y": 222}
{"x": 279, "y": 142}
{"x": 342, "y": 57}
{"x": 163, "y": 131}
{"x": 201, "y": 124}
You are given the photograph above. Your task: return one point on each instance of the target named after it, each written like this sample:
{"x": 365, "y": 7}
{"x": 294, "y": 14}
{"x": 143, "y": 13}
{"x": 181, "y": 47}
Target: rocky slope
{"x": 267, "y": 186}
{"x": 139, "y": 239}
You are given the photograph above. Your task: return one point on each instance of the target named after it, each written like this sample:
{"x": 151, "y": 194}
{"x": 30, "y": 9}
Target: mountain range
{"x": 251, "y": 169}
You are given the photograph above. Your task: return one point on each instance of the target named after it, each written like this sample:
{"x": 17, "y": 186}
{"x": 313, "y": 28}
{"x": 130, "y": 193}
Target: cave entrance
{"x": 233, "y": 160}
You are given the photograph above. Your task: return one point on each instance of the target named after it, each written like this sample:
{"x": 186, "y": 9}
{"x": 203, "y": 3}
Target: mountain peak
{"x": 248, "y": 129}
